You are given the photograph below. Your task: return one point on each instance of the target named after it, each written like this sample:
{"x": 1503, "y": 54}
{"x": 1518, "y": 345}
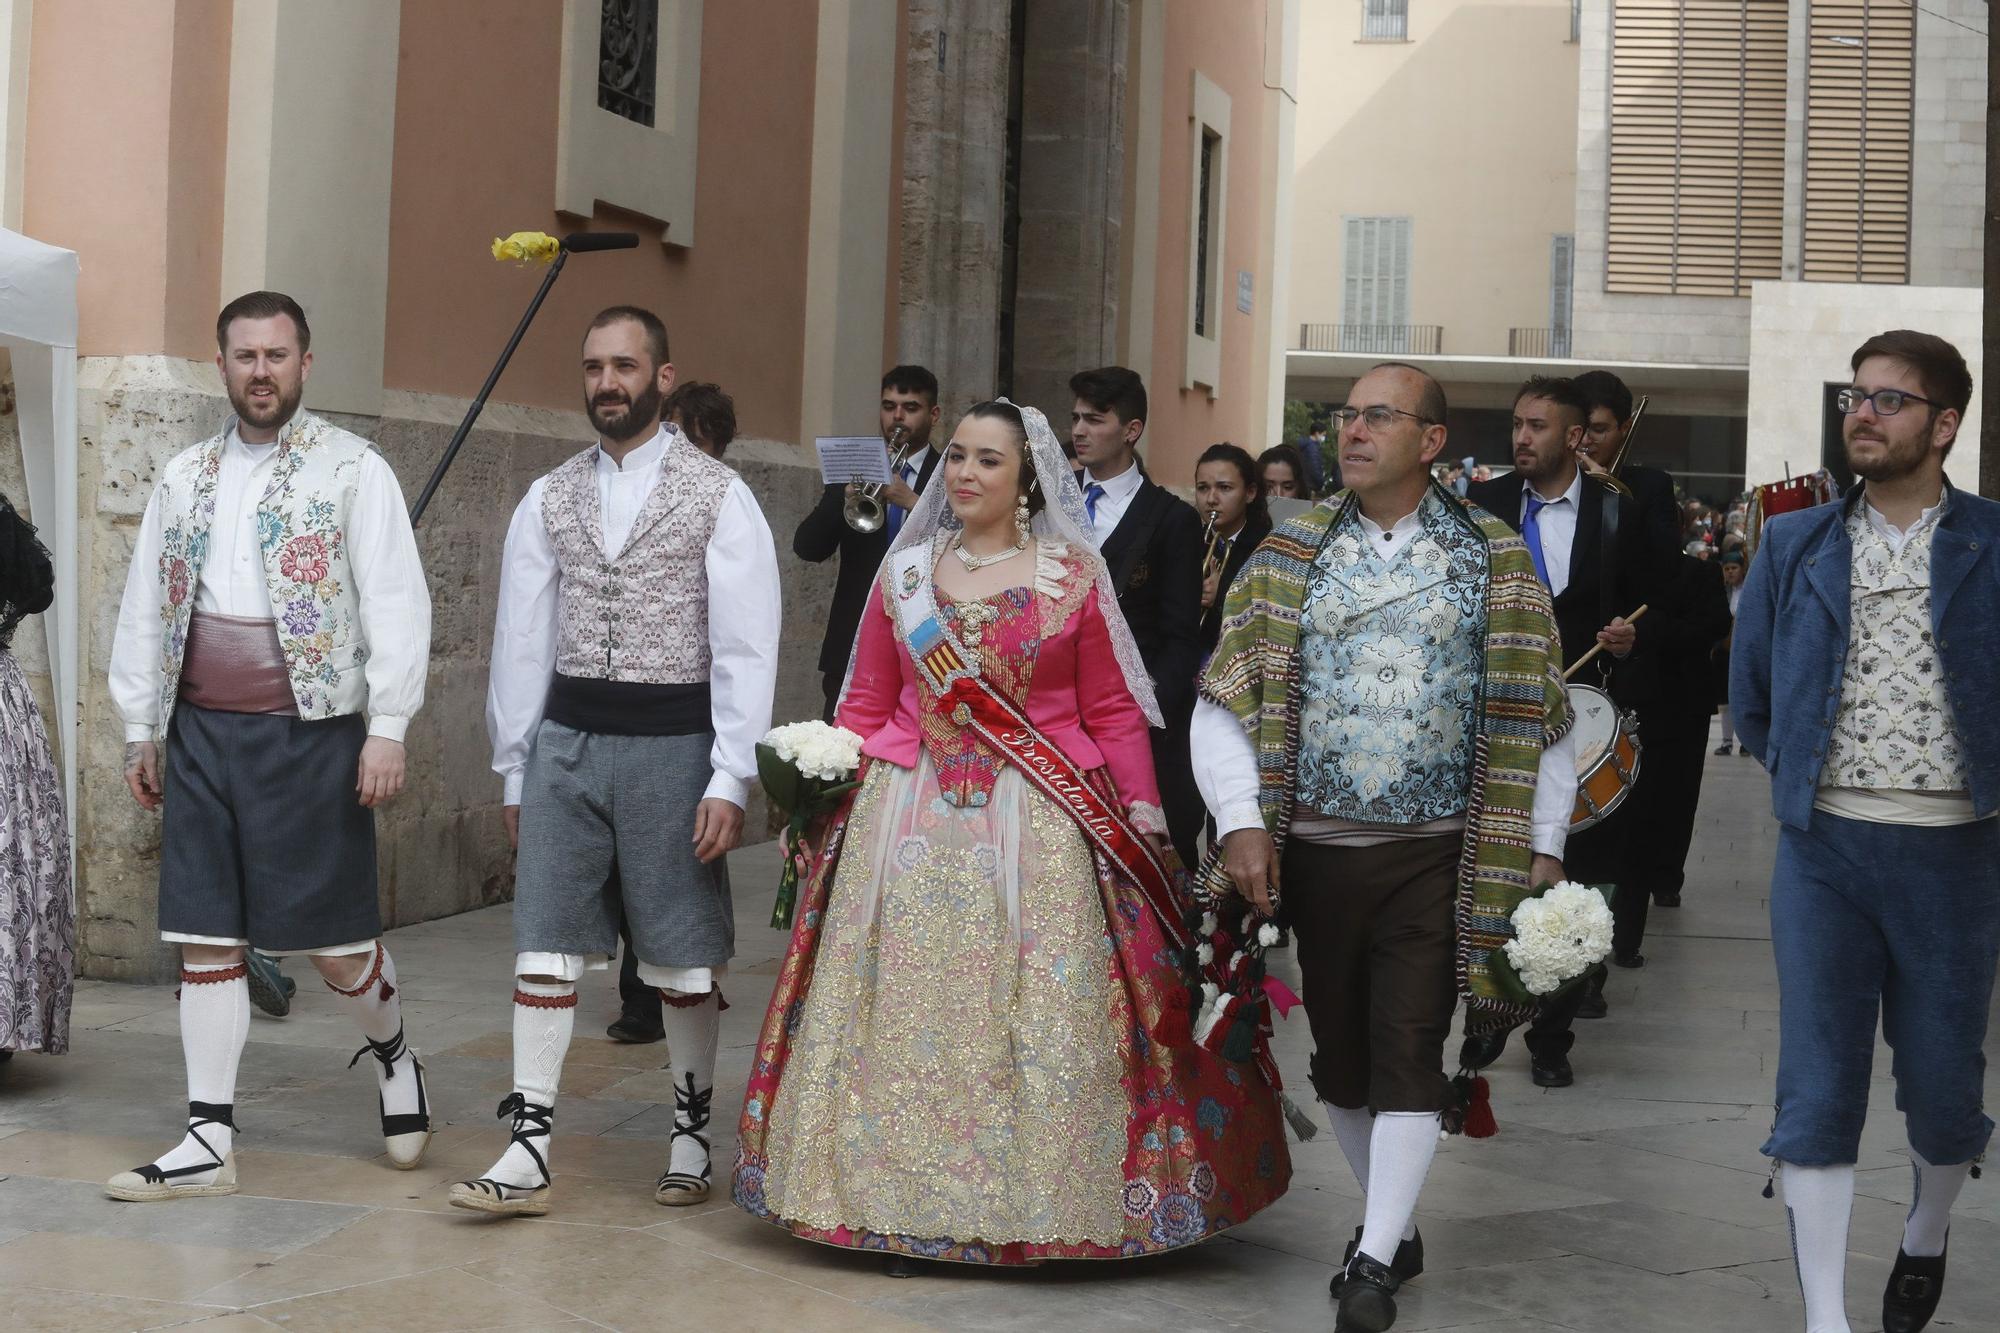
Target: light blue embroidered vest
{"x": 1391, "y": 659}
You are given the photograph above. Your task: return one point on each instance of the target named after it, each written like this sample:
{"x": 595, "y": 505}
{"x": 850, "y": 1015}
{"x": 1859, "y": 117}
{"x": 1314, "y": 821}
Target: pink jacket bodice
{"x": 1076, "y": 696}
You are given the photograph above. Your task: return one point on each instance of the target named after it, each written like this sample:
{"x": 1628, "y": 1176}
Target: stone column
{"x": 1072, "y": 196}
{"x": 954, "y": 184}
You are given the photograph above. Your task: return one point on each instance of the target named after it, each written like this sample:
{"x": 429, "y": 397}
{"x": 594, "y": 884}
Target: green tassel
{"x": 1242, "y": 1040}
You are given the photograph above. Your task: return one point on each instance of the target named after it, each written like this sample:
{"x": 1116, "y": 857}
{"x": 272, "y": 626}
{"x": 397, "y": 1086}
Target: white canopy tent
{"x": 38, "y": 327}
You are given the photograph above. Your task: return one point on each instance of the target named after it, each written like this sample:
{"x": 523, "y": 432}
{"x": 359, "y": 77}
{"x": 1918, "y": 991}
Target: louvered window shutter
{"x": 1860, "y": 91}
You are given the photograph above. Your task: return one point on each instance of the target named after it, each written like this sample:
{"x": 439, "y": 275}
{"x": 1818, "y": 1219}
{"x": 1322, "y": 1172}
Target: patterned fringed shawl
{"x": 1523, "y": 707}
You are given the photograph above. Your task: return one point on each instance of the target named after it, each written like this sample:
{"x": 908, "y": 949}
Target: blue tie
{"x": 1531, "y": 533}
{"x": 896, "y": 513}
{"x": 1091, "y": 495}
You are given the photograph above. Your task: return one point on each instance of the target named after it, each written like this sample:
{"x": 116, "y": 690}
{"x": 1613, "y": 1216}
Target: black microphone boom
{"x": 579, "y": 242}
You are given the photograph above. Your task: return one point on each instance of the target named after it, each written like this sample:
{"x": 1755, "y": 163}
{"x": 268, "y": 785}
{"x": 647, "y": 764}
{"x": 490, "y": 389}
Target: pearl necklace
{"x": 974, "y": 563}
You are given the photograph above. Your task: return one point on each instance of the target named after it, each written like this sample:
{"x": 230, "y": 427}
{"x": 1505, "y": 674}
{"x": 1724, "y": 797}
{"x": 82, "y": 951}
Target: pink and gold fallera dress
{"x": 978, "y": 1046}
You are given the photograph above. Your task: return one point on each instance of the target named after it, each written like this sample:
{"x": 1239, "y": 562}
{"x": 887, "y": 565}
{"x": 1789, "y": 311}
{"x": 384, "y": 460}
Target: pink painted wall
{"x": 128, "y": 110}
{"x": 475, "y": 151}
{"x": 1226, "y": 43}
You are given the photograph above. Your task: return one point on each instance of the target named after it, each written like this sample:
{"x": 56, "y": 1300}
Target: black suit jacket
{"x": 824, "y": 533}
{"x": 1700, "y": 620}
{"x": 1601, "y": 585}
{"x": 1654, "y": 490}
{"x": 1155, "y": 559}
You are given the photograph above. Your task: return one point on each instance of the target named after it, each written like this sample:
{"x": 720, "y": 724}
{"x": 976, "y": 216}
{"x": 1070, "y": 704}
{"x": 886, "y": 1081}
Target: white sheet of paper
{"x": 845, "y": 458}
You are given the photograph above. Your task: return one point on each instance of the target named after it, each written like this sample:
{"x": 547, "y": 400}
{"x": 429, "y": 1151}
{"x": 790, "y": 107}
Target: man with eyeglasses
{"x": 1600, "y": 562}
{"x": 1861, "y": 676}
{"x": 1384, "y": 723}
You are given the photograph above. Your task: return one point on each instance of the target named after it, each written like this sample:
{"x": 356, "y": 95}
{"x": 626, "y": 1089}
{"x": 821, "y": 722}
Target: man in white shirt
{"x": 275, "y": 634}
{"x": 1400, "y": 844}
{"x": 634, "y": 660}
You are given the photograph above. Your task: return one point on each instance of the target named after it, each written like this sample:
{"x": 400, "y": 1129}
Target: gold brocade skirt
{"x": 957, "y": 1066}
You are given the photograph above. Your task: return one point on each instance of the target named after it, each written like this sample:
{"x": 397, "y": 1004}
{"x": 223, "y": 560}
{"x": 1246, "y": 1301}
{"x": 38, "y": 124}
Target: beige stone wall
{"x": 1469, "y": 129}
{"x": 1948, "y": 145}
{"x": 441, "y": 849}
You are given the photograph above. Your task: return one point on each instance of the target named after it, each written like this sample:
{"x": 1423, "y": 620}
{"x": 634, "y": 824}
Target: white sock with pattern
{"x": 215, "y": 1021}
{"x": 1936, "y": 1190}
{"x": 544, "y": 1019}
{"x": 694, "y": 1025}
{"x": 377, "y": 1009}
{"x": 1819, "y": 1200}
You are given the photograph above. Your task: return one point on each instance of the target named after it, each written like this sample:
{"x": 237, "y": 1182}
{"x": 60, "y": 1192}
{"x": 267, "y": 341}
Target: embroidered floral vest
{"x": 1005, "y": 631}
{"x": 1894, "y": 728}
{"x": 1391, "y": 657}
{"x": 302, "y": 535}
{"x": 641, "y": 613}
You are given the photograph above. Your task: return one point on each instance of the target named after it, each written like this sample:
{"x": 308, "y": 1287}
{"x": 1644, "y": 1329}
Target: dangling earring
{"x": 1023, "y": 522}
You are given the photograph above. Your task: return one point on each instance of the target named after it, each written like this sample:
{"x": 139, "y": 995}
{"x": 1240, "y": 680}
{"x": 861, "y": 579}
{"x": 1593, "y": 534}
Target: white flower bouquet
{"x": 806, "y": 767}
{"x": 1560, "y": 933}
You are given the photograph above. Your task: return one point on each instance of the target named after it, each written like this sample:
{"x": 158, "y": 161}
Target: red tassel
{"x": 1174, "y": 1027}
{"x": 1479, "y": 1121}
{"x": 388, "y": 991}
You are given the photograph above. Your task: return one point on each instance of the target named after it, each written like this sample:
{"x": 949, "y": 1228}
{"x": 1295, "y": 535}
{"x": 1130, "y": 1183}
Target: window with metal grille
{"x": 1860, "y": 91}
{"x": 1697, "y": 185}
{"x": 628, "y": 58}
{"x": 1375, "y": 275}
{"x": 1562, "y": 273}
{"x": 1385, "y": 20}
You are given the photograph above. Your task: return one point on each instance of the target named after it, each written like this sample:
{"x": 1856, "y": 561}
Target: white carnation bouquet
{"x": 1559, "y": 935}
{"x": 806, "y": 767}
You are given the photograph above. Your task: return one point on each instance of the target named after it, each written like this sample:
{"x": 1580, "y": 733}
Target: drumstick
{"x": 1597, "y": 648}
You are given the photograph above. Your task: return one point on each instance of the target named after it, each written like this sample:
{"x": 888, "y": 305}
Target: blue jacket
{"x": 1790, "y": 647}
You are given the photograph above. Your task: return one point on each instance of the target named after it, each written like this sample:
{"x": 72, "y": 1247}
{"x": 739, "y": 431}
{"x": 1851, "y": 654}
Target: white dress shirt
{"x": 1225, "y": 758}
{"x": 1117, "y": 498}
{"x": 1557, "y": 522}
{"x": 744, "y": 621}
{"x": 394, "y": 602}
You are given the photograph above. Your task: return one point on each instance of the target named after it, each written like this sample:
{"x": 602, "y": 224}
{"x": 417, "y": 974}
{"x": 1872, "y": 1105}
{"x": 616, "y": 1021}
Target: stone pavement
{"x": 1630, "y": 1202}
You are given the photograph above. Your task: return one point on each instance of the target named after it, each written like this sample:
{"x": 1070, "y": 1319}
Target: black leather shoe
{"x": 901, "y": 1265}
{"x": 635, "y": 1031}
{"x": 1632, "y": 959}
{"x": 1367, "y": 1297}
{"x": 1911, "y": 1297}
{"x": 1666, "y": 900}
{"x": 1553, "y": 1072}
{"x": 1407, "y": 1265}
{"x": 1481, "y": 1051}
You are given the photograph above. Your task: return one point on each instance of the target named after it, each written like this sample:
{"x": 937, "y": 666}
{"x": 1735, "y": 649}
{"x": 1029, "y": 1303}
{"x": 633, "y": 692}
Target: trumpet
{"x": 1209, "y": 539}
{"x": 864, "y": 509}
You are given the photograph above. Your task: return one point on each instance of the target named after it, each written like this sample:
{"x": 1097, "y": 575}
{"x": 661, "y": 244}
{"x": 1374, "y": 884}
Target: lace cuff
{"x": 1147, "y": 817}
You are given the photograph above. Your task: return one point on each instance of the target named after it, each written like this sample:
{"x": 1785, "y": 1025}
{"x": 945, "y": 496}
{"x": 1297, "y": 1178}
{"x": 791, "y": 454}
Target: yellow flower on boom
{"x": 528, "y": 247}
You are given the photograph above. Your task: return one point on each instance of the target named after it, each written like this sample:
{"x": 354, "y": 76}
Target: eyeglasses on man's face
{"x": 1379, "y": 416}
{"x": 1888, "y": 402}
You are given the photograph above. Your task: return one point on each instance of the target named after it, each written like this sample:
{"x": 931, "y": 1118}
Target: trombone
{"x": 1609, "y": 474}
{"x": 864, "y": 509}
{"x": 1209, "y": 540}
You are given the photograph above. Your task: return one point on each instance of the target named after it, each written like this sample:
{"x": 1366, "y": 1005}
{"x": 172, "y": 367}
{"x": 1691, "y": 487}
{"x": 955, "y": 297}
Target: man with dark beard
{"x": 634, "y": 660}
{"x": 1861, "y": 675}
{"x": 275, "y": 634}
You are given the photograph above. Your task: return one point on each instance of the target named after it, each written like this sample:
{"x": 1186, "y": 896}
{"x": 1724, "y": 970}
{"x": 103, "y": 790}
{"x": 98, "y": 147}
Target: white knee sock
{"x": 1819, "y": 1200}
{"x": 215, "y": 1020}
{"x": 544, "y": 1018}
{"x": 1936, "y": 1190}
{"x": 1728, "y": 733}
{"x": 693, "y": 1024}
{"x": 377, "y": 1009}
{"x": 1352, "y": 1126}
{"x": 1400, "y": 1150}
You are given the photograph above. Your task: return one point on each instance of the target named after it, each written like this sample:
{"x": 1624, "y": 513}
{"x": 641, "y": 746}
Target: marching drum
{"x": 1607, "y": 755}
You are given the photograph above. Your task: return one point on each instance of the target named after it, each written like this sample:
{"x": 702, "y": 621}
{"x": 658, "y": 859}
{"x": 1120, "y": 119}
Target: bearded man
{"x": 275, "y": 634}
{"x": 1860, "y": 674}
{"x": 634, "y": 661}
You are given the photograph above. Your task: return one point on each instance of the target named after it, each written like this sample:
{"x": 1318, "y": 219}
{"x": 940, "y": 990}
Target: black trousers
{"x": 1180, "y": 799}
{"x": 1676, "y": 756}
{"x": 831, "y": 681}
{"x": 1598, "y": 855}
